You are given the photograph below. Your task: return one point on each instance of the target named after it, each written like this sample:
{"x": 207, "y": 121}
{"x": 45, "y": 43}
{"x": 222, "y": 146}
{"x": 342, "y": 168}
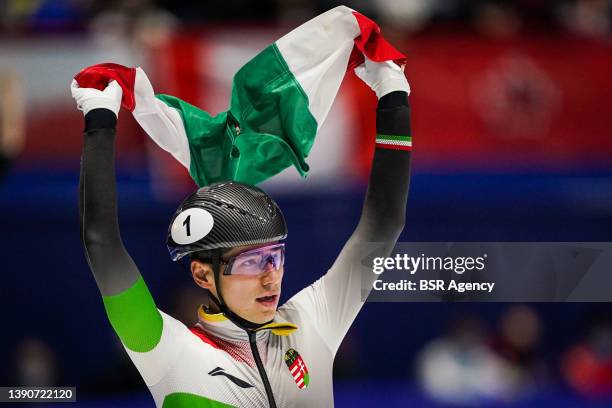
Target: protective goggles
{"x": 255, "y": 261}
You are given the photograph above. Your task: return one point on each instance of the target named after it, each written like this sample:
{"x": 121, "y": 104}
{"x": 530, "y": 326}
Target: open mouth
{"x": 267, "y": 300}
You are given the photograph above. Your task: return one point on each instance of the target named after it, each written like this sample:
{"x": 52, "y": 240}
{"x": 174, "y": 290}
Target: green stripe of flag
{"x": 271, "y": 110}
{"x": 394, "y": 137}
{"x": 278, "y": 129}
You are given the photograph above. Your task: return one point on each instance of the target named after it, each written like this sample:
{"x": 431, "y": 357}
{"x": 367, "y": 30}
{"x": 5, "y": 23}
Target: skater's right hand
{"x": 88, "y": 99}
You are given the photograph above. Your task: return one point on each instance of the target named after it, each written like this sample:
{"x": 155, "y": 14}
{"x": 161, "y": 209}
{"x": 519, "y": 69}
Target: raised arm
{"x": 128, "y": 303}
{"x": 334, "y": 300}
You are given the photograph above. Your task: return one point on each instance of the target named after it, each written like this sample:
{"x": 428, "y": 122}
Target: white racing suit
{"x": 215, "y": 363}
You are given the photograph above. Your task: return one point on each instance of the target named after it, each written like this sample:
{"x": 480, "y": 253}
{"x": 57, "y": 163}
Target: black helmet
{"x": 224, "y": 215}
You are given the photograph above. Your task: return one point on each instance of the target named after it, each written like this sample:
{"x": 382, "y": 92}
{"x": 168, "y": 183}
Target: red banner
{"x": 530, "y": 102}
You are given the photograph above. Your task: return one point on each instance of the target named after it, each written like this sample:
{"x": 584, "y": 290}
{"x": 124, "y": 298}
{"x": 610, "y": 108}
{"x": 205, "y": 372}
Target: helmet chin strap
{"x": 244, "y": 324}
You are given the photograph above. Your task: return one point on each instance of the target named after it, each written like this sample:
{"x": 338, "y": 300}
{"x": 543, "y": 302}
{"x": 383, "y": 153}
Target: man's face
{"x": 253, "y": 297}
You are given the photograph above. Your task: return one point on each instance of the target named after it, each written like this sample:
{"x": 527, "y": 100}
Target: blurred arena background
{"x": 512, "y": 142}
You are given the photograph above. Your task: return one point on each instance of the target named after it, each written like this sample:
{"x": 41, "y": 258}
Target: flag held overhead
{"x": 280, "y": 99}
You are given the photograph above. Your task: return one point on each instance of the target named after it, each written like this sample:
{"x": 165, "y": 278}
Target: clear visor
{"x": 256, "y": 261}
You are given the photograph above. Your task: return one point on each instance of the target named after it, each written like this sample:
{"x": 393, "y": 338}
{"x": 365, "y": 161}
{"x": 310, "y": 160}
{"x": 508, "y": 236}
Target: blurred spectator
{"x": 460, "y": 369}
{"x": 590, "y": 18}
{"x": 496, "y": 19}
{"x": 293, "y": 12}
{"x": 137, "y": 22}
{"x": 587, "y": 366}
{"x": 42, "y": 15}
{"x": 225, "y": 11}
{"x": 35, "y": 364}
{"x": 407, "y": 15}
{"x": 517, "y": 343}
{"x": 12, "y": 120}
